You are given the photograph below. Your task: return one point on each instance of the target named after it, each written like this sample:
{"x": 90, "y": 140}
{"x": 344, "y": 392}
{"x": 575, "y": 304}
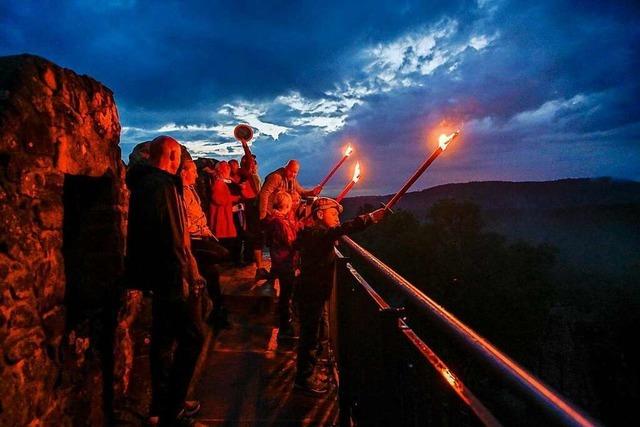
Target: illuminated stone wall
{"x": 62, "y": 224}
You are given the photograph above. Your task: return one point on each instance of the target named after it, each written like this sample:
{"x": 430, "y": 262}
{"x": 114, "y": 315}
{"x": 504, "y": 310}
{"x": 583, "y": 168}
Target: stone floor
{"x": 245, "y": 378}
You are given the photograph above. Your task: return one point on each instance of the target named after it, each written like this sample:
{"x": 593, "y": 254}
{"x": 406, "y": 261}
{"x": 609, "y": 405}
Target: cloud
{"x": 222, "y": 130}
{"x": 207, "y": 147}
{"x": 252, "y": 114}
{"x": 536, "y": 86}
{"x": 406, "y": 60}
{"x": 326, "y": 124}
{"x": 551, "y": 110}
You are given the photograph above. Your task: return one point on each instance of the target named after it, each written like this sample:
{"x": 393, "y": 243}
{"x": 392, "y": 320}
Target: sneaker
{"x": 191, "y": 407}
{"x": 311, "y": 386}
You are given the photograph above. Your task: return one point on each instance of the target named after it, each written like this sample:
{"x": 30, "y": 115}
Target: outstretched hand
{"x": 378, "y": 215}
{"x": 316, "y": 190}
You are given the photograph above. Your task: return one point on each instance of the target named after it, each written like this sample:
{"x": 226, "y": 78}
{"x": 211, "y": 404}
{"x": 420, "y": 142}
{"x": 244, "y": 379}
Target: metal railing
{"x": 403, "y": 360}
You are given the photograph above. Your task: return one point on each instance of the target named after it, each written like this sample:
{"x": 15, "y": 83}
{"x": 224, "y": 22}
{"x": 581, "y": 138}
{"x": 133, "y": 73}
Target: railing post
{"x": 338, "y": 311}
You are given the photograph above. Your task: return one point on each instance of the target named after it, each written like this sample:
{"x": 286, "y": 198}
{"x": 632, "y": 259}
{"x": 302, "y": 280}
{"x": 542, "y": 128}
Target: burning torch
{"x": 347, "y": 153}
{"x": 443, "y": 142}
{"x": 349, "y": 186}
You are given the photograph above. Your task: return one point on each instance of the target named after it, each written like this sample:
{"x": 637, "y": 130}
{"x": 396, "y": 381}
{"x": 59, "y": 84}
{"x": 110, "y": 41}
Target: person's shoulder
{"x": 162, "y": 179}
{"x": 276, "y": 175}
{"x": 312, "y": 232}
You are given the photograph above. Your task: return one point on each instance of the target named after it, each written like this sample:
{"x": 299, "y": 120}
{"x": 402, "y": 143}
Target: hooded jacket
{"x": 156, "y": 249}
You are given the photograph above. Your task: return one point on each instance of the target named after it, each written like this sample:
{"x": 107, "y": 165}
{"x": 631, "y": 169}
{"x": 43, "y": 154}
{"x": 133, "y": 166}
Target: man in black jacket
{"x": 317, "y": 258}
{"x": 159, "y": 260}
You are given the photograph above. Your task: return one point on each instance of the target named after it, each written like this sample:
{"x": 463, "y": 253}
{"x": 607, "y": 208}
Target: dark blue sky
{"x": 541, "y": 90}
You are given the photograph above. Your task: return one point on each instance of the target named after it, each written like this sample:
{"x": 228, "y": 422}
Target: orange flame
{"x": 348, "y": 151}
{"x": 444, "y": 140}
{"x": 450, "y": 377}
{"x": 356, "y": 173}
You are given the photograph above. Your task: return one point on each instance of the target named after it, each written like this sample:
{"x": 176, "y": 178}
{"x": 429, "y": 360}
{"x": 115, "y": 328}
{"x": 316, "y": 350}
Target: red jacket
{"x": 281, "y": 232}
{"x": 221, "y": 215}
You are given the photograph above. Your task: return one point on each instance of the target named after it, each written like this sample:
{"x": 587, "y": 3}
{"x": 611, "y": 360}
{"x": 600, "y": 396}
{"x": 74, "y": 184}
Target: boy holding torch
{"x": 317, "y": 259}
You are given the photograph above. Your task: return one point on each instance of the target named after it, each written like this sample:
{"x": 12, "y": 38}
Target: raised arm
{"x": 304, "y": 192}
{"x": 358, "y": 223}
{"x": 248, "y": 155}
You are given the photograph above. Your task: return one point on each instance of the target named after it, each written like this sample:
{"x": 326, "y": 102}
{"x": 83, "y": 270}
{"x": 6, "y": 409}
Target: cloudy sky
{"x": 540, "y": 89}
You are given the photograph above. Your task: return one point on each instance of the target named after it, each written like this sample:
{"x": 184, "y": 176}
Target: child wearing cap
{"x": 317, "y": 256}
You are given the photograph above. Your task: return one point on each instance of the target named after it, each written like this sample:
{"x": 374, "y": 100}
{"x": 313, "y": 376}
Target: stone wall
{"x": 62, "y": 224}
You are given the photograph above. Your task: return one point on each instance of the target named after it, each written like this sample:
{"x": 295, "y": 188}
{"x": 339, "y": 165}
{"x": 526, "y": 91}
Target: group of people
{"x": 177, "y": 235}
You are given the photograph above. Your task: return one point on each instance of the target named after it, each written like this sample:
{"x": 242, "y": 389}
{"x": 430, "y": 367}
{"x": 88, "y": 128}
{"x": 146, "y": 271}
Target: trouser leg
{"x": 188, "y": 347}
{"x": 323, "y": 334}
{"x": 234, "y": 246}
{"x": 160, "y": 356}
{"x": 309, "y": 313}
{"x": 286, "y": 278}
{"x": 209, "y": 253}
{"x": 212, "y": 276}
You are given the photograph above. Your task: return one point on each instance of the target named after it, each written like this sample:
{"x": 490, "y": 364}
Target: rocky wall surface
{"x": 56, "y": 128}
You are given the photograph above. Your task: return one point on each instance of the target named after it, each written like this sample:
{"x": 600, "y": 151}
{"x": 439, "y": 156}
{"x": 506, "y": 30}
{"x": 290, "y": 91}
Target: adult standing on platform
{"x": 251, "y": 184}
{"x": 284, "y": 179}
{"x": 204, "y": 245}
{"x": 159, "y": 260}
{"x": 221, "y": 209}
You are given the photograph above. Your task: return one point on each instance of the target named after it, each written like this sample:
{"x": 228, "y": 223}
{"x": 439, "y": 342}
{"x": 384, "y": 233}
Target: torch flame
{"x": 348, "y": 151}
{"x": 450, "y": 377}
{"x": 444, "y": 140}
{"x": 356, "y": 173}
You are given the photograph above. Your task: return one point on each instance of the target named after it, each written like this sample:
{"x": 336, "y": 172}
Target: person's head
{"x": 282, "y": 202}
{"x": 165, "y": 154}
{"x": 223, "y": 169}
{"x": 140, "y": 154}
{"x": 326, "y": 212}
{"x": 234, "y": 166}
{"x": 291, "y": 169}
{"x": 188, "y": 172}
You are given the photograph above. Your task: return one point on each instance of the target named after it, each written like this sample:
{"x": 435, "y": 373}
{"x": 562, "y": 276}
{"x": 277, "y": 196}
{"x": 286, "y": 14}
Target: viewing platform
{"x": 397, "y": 359}
{"x": 245, "y": 378}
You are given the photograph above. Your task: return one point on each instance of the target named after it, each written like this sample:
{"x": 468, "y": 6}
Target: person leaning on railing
{"x": 284, "y": 179}
{"x": 317, "y": 262}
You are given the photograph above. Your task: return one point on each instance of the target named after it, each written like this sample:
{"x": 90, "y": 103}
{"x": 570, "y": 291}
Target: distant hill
{"x": 594, "y": 223}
